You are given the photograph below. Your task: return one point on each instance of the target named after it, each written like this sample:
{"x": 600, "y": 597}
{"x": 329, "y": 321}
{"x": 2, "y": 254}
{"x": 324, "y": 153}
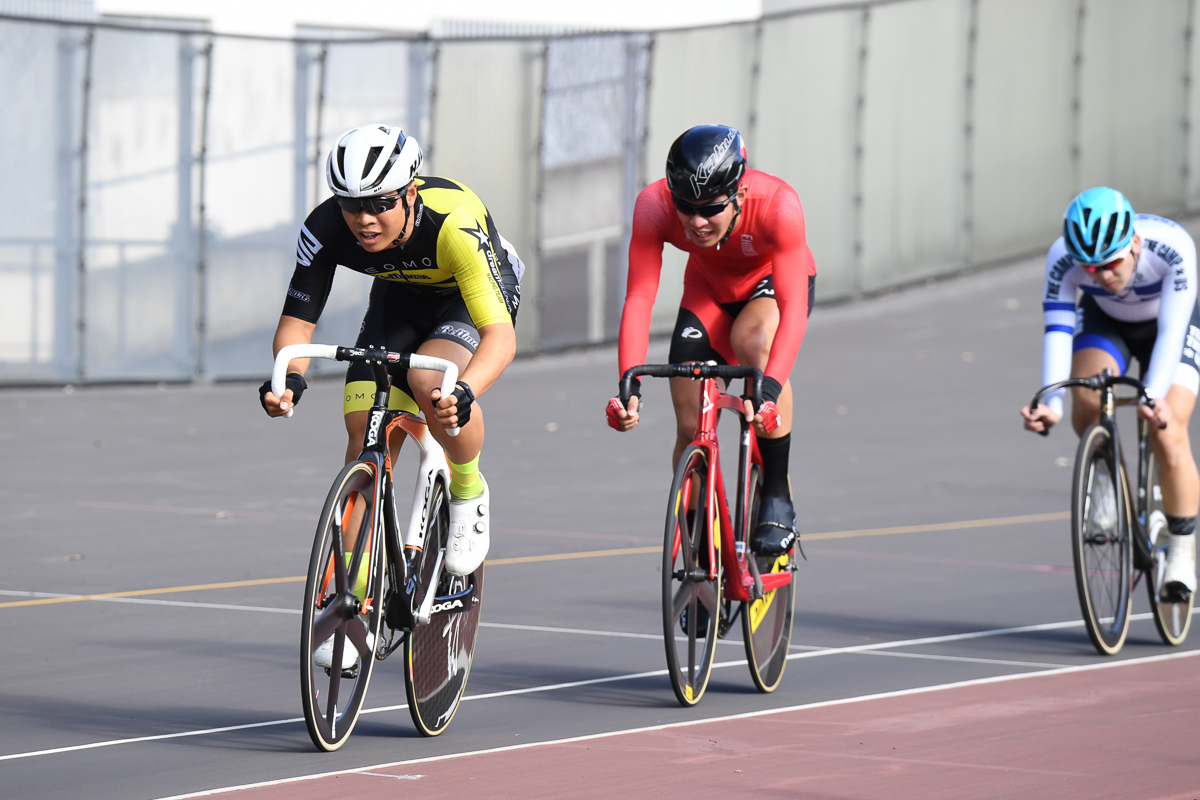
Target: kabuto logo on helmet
{"x": 715, "y": 159}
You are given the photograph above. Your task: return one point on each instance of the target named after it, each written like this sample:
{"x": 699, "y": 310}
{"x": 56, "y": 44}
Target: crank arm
{"x": 426, "y": 609}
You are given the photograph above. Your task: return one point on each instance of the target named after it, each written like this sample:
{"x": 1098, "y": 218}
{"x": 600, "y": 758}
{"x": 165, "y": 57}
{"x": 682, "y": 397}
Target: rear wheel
{"x": 691, "y": 596}
{"x": 1101, "y": 541}
{"x": 1173, "y": 619}
{"x": 767, "y": 622}
{"x": 333, "y": 696}
{"x": 438, "y": 655}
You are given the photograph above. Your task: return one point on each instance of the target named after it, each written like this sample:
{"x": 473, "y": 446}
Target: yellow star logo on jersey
{"x": 479, "y": 233}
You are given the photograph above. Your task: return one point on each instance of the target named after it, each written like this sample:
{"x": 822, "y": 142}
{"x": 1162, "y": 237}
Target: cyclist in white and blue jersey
{"x": 1135, "y": 277}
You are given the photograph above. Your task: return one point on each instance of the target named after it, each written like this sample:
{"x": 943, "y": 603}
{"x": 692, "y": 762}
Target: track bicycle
{"x": 707, "y": 565}
{"x": 1115, "y": 538}
{"x": 405, "y": 596}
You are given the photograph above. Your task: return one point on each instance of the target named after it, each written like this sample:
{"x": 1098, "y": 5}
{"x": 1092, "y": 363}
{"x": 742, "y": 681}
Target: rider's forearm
{"x": 292, "y": 330}
{"x": 497, "y": 346}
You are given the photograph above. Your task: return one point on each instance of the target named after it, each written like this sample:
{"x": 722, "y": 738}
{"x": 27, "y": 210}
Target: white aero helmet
{"x": 372, "y": 160}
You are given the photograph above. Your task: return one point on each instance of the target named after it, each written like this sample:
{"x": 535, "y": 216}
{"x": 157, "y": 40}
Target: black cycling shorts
{"x": 1125, "y": 341}
{"x": 401, "y": 319}
{"x": 703, "y": 325}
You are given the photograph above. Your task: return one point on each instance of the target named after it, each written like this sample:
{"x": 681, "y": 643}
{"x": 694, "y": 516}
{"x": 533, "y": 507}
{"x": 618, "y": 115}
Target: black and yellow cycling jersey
{"x": 454, "y": 249}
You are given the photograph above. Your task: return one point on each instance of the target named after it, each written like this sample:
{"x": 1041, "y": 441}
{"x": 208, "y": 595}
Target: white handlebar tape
{"x": 449, "y": 372}
{"x": 287, "y": 354}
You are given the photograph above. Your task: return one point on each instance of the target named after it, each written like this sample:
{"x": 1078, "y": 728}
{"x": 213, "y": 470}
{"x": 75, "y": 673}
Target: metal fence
{"x": 156, "y": 178}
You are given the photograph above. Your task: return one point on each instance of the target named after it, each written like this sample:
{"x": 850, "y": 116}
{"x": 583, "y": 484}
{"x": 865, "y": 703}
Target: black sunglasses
{"x": 706, "y": 210}
{"x": 372, "y": 205}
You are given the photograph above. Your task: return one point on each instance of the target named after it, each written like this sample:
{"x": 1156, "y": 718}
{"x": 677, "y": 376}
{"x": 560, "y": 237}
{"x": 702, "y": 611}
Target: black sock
{"x": 775, "y": 465}
{"x": 1181, "y": 526}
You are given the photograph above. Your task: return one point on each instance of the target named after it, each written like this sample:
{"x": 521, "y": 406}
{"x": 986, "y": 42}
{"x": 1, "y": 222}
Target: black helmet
{"x": 706, "y": 161}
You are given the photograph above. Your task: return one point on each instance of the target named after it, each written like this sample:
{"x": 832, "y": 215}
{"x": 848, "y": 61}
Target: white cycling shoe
{"x": 323, "y": 657}
{"x": 1103, "y": 513}
{"x": 470, "y": 533}
{"x": 1181, "y": 564}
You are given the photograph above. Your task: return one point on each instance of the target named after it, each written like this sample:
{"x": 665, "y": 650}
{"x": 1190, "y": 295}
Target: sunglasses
{"x": 1107, "y": 265}
{"x": 707, "y": 210}
{"x": 372, "y": 205}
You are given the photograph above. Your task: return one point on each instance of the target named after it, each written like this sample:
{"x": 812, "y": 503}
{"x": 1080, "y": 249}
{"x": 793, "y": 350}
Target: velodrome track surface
{"x": 938, "y": 553}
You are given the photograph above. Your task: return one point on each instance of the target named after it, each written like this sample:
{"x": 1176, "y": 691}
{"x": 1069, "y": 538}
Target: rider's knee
{"x": 685, "y": 429}
{"x": 754, "y": 342}
{"x": 1174, "y": 449}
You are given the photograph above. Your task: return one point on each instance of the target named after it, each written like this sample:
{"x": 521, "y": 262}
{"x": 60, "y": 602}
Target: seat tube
{"x": 706, "y": 422}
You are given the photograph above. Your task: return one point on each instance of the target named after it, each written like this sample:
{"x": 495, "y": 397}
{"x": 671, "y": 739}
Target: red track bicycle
{"x": 707, "y": 564}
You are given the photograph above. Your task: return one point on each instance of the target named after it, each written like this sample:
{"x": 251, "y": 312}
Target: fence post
{"x": 1077, "y": 99}
{"x": 860, "y": 108}
{"x": 1189, "y": 136}
{"x": 968, "y": 247}
{"x": 81, "y": 264}
{"x": 201, "y": 222}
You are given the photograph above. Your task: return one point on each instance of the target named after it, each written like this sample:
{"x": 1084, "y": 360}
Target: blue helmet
{"x": 1098, "y": 225}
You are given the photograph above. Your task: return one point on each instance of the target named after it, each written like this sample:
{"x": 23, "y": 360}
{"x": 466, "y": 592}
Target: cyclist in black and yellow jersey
{"x": 446, "y": 285}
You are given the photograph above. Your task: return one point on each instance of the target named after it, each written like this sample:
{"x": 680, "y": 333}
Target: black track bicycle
{"x": 373, "y": 587}
{"x": 1118, "y": 537}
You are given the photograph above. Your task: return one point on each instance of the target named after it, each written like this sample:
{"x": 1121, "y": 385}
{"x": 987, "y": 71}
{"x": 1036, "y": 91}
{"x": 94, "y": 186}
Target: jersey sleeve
{"x": 1174, "y": 315}
{"x": 466, "y": 250}
{"x": 312, "y": 278}
{"x": 1058, "y": 311}
{"x": 641, "y": 287}
{"x": 792, "y": 264}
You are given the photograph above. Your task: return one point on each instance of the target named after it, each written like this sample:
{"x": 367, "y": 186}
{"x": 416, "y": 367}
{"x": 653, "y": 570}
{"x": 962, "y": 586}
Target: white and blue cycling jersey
{"x": 1162, "y": 290}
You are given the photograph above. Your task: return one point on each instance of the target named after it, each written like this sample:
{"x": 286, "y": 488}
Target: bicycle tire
{"x": 438, "y": 655}
{"x": 767, "y": 623}
{"x": 686, "y": 584}
{"x": 1172, "y": 619}
{"x": 330, "y": 609}
{"x": 1101, "y": 541}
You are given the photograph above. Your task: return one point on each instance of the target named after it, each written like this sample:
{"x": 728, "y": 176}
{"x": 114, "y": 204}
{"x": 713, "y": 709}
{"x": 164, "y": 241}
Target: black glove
{"x": 295, "y": 382}
{"x": 770, "y": 390}
{"x": 635, "y": 390}
{"x": 464, "y": 397}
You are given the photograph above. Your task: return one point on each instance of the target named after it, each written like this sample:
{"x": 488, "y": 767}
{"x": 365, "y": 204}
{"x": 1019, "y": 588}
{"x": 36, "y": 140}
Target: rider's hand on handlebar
{"x": 453, "y": 410}
{"x": 1160, "y": 415}
{"x": 1039, "y": 421}
{"x": 765, "y": 420}
{"x": 280, "y": 406}
{"x": 622, "y": 419}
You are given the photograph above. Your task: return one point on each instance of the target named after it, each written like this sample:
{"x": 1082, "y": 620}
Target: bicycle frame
{"x": 1105, "y": 383}
{"x": 742, "y": 579}
{"x": 402, "y": 546}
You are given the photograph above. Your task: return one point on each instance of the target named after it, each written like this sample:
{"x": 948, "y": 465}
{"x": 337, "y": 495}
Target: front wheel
{"x": 438, "y": 655}
{"x": 691, "y": 595}
{"x": 342, "y": 607}
{"x": 1173, "y": 619}
{"x": 1101, "y": 540}
{"x": 767, "y": 622}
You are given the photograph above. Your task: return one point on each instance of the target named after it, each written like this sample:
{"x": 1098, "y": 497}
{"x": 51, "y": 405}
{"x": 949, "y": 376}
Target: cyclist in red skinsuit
{"x": 746, "y": 298}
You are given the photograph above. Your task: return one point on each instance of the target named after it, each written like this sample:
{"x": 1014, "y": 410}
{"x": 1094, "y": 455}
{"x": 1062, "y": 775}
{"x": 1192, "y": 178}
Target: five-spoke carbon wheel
{"x": 691, "y": 587}
{"x": 767, "y": 622}
{"x": 437, "y": 656}
{"x": 1101, "y": 540}
{"x": 333, "y": 697}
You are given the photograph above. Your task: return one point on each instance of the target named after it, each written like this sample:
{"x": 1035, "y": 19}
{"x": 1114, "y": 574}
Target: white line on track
{"x": 829, "y": 651}
{"x": 690, "y": 723}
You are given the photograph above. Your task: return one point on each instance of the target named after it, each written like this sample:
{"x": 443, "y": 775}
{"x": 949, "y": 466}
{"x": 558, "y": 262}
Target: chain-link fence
{"x": 157, "y": 178}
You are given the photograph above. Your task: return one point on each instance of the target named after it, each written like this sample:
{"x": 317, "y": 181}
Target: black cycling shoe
{"x": 776, "y": 531}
